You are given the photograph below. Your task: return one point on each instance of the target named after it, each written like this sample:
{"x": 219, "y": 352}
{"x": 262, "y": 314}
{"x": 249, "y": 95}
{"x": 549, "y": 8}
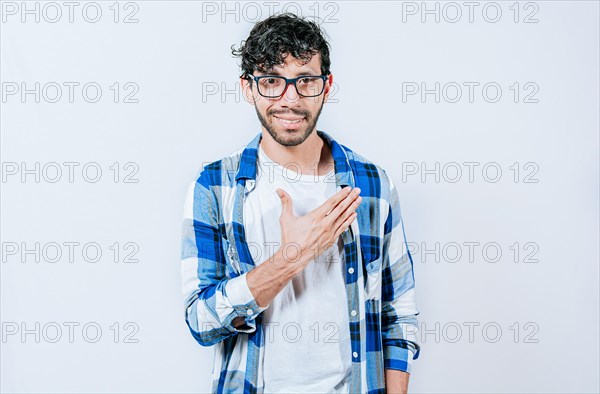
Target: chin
{"x": 291, "y": 137}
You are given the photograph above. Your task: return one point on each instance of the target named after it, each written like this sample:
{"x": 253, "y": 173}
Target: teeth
{"x": 290, "y": 121}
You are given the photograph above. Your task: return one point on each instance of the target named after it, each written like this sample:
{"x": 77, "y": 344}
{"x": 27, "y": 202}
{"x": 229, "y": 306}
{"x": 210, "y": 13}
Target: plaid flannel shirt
{"x": 215, "y": 259}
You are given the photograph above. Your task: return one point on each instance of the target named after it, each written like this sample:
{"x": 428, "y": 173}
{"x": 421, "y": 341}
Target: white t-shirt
{"x": 307, "y": 339}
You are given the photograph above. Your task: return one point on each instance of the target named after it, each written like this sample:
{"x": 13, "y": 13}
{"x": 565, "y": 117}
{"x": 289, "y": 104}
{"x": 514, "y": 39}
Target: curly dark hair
{"x": 281, "y": 34}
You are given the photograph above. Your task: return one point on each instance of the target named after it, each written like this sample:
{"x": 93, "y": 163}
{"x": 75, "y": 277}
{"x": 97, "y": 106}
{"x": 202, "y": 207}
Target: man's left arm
{"x": 399, "y": 321}
{"x": 396, "y": 382}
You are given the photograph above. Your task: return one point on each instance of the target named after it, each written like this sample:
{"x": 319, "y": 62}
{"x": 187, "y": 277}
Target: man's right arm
{"x": 218, "y": 307}
{"x": 213, "y": 301}
{"x": 303, "y": 239}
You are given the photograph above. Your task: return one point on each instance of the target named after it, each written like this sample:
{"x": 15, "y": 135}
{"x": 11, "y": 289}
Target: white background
{"x": 535, "y": 325}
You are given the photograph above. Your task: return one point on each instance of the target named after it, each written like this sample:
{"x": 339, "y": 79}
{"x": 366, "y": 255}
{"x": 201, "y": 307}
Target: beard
{"x": 290, "y": 137}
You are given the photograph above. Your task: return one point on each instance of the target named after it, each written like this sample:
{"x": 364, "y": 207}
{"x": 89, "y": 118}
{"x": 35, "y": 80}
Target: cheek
{"x": 262, "y": 104}
{"x": 313, "y": 106}
{"x": 262, "y": 108}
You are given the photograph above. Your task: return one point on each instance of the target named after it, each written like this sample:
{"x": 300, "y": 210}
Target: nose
{"x": 290, "y": 94}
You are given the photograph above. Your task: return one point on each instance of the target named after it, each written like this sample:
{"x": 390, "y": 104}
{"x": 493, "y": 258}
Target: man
{"x": 294, "y": 259}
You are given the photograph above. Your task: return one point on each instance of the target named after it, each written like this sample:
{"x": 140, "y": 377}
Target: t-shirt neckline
{"x": 293, "y": 175}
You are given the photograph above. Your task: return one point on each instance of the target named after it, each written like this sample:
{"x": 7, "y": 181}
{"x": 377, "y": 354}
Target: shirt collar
{"x": 343, "y": 173}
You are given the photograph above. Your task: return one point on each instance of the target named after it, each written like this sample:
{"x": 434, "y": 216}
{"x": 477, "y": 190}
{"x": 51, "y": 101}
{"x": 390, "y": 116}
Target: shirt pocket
{"x": 373, "y": 266}
{"x": 368, "y": 233}
{"x": 370, "y": 249}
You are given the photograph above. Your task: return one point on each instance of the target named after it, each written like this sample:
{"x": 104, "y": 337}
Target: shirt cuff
{"x": 243, "y": 302}
{"x": 399, "y": 358}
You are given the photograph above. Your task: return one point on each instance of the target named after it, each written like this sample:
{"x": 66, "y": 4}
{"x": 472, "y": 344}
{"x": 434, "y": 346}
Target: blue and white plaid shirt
{"x": 215, "y": 260}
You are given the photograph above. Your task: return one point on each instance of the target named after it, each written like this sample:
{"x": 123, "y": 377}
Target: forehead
{"x": 293, "y": 64}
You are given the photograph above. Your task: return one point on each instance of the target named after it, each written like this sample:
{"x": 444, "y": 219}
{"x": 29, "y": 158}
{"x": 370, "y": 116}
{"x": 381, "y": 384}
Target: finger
{"x": 349, "y": 196}
{"x": 325, "y": 208}
{"x": 286, "y": 202}
{"x": 344, "y": 215}
{"x": 343, "y": 206}
{"x": 345, "y": 225}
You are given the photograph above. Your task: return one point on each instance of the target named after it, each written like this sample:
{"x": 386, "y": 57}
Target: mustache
{"x": 291, "y": 111}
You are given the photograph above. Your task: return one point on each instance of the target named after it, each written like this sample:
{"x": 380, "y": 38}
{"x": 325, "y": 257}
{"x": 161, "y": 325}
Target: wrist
{"x": 291, "y": 260}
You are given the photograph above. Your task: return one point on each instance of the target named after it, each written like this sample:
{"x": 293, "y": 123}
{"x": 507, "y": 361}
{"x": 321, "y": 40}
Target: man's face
{"x": 291, "y": 118}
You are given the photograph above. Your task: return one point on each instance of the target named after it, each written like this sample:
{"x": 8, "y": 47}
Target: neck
{"x": 313, "y": 156}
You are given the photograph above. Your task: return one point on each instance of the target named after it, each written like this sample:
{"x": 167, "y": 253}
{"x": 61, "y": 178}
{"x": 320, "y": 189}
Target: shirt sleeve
{"x": 399, "y": 312}
{"x": 212, "y": 299}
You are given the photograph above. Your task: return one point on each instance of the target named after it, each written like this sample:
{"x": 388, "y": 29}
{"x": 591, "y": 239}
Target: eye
{"x": 308, "y": 80}
{"x": 270, "y": 81}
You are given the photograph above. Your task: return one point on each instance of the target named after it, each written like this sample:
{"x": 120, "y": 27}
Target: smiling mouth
{"x": 291, "y": 123}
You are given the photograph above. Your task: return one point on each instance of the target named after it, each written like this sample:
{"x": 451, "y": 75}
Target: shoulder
{"x": 369, "y": 173}
{"x": 219, "y": 172}
{"x": 204, "y": 192}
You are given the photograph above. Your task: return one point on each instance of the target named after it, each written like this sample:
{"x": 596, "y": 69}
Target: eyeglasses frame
{"x": 288, "y": 81}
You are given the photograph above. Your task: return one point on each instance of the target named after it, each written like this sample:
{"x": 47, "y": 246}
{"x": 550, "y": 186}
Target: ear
{"x": 247, "y": 92}
{"x": 328, "y": 87}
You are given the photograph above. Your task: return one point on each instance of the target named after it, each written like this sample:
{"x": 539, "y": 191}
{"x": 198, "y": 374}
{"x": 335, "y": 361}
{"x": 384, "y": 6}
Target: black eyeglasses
{"x": 274, "y": 86}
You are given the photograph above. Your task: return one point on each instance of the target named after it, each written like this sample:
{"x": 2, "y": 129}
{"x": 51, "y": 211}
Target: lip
{"x": 288, "y": 118}
{"x": 284, "y": 122}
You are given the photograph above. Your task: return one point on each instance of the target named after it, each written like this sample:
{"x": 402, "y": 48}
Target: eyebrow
{"x": 273, "y": 72}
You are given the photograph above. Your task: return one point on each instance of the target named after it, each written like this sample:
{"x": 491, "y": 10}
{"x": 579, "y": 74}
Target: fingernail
{"x": 357, "y": 190}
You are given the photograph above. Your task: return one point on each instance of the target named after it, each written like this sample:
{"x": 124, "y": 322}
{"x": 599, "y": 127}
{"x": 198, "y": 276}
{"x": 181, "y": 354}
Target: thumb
{"x": 286, "y": 202}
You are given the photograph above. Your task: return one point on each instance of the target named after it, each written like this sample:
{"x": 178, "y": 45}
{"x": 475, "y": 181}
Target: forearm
{"x": 399, "y": 324}
{"x": 396, "y": 382}
{"x": 267, "y": 279}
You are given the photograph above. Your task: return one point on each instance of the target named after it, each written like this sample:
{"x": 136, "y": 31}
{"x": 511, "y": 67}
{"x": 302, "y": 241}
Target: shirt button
{"x": 249, "y": 311}
{"x": 351, "y": 270}
{"x": 353, "y": 313}
{"x": 355, "y": 355}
